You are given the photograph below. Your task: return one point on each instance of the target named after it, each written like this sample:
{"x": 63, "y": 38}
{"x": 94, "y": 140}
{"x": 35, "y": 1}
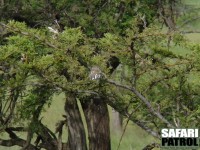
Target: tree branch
{"x": 15, "y": 140}
{"x": 17, "y": 129}
{"x": 18, "y": 142}
{"x": 147, "y": 129}
{"x": 144, "y": 100}
{"x": 187, "y": 32}
{"x": 188, "y": 21}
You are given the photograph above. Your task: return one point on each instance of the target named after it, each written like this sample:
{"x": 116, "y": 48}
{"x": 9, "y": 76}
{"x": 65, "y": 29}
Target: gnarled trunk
{"x": 97, "y": 118}
{"x": 76, "y": 131}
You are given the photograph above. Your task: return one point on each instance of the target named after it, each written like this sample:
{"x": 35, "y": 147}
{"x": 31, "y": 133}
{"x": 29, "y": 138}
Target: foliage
{"x": 156, "y": 91}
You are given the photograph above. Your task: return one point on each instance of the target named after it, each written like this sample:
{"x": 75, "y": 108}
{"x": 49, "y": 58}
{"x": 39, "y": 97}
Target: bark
{"x": 2, "y": 3}
{"x": 97, "y": 118}
{"x": 76, "y": 131}
{"x": 168, "y": 12}
{"x": 46, "y": 137}
{"x": 116, "y": 121}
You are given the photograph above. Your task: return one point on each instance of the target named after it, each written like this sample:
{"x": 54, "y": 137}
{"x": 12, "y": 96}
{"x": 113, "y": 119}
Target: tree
{"x": 155, "y": 92}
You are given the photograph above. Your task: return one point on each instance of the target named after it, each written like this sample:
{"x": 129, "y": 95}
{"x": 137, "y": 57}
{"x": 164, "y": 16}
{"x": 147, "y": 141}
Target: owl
{"x": 24, "y": 58}
{"x": 95, "y": 73}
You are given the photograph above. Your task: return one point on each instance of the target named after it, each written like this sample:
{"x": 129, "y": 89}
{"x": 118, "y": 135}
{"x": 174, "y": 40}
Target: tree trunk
{"x": 76, "y": 131}
{"x": 116, "y": 122}
{"x": 97, "y": 118}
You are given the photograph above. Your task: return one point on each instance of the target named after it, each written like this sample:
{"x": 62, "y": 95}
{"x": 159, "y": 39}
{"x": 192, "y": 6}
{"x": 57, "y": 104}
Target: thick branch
{"x": 14, "y": 142}
{"x": 125, "y": 113}
{"x": 17, "y": 129}
{"x": 144, "y": 100}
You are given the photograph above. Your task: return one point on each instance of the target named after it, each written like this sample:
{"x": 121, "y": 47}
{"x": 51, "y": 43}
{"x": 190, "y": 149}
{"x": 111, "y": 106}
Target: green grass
{"x": 134, "y": 138}
{"x": 193, "y": 37}
{"x": 192, "y": 2}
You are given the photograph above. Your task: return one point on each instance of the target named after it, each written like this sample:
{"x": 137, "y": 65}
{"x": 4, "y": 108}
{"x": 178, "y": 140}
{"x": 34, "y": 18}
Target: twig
{"x": 188, "y": 21}
{"x": 151, "y": 146}
{"x": 126, "y": 126}
{"x": 187, "y": 32}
